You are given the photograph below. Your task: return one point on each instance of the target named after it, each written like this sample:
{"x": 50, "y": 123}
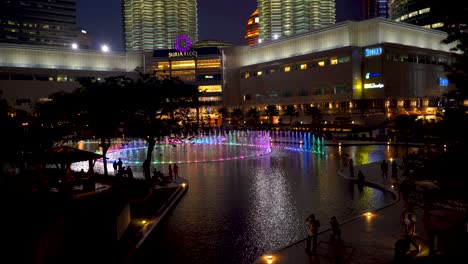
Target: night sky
{"x": 217, "y": 19}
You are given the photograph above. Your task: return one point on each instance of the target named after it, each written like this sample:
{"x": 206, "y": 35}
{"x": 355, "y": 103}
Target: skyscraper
{"x": 279, "y": 18}
{"x": 414, "y": 12}
{"x": 374, "y": 8}
{"x": 251, "y": 34}
{"x": 41, "y": 22}
{"x": 155, "y": 24}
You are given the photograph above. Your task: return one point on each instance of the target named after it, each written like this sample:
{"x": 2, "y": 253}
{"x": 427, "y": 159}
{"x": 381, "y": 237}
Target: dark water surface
{"x": 236, "y": 210}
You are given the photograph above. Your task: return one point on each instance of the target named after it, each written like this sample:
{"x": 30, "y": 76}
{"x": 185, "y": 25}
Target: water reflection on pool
{"x": 236, "y": 210}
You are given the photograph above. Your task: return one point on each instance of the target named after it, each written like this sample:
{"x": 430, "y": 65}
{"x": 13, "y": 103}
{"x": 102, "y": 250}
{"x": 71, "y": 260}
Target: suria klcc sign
{"x": 182, "y": 44}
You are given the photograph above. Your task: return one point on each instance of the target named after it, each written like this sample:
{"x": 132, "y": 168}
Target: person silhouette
{"x": 170, "y": 173}
{"x": 175, "y": 168}
{"x": 312, "y": 225}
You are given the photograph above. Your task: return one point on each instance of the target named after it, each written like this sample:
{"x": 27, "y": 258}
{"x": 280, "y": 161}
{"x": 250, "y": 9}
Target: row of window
{"x": 29, "y": 77}
{"x": 288, "y": 93}
{"x": 16, "y": 23}
{"x": 425, "y": 59}
{"x": 297, "y": 67}
{"x": 364, "y": 104}
{"x": 413, "y": 14}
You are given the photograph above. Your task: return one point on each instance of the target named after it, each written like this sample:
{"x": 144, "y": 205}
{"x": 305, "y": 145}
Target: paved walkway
{"x": 366, "y": 239}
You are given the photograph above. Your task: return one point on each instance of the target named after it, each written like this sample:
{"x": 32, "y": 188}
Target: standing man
{"x": 114, "y": 165}
{"x": 312, "y": 225}
{"x": 384, "y": 169}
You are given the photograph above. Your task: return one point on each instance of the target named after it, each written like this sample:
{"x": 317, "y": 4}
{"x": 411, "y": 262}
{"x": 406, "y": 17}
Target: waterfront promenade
{"x": 366, "y": 238}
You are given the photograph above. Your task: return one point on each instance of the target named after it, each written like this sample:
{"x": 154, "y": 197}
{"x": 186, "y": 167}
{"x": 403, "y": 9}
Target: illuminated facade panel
{"x": 150, "y": 24}
{"x": 41, "y": 22}
{"x": 417, "y": 12}
{"x": 251, "y": 34}
{"x": 279, "y": 18}
{"x": 374, "y": 8}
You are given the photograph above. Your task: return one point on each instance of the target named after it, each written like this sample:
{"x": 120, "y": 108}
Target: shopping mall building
{"x": 371, "y": 68}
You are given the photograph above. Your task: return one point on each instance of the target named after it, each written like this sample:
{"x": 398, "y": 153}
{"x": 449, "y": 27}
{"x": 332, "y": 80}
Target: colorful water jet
{"x": 212, "y": 146}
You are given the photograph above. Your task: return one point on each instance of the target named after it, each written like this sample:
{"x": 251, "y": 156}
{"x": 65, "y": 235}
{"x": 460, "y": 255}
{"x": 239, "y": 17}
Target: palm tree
{"x": 224, "y": 112}
{"x": 290, "y": 111}
{"x": 237, "y": 114}
{"x": 315, "y": 114}
{"x": 271, "y": 111}
{"x": 253, "y": 116}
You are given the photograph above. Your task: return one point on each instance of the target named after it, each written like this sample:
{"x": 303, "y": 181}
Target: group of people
{"x": 120, "y": 171}
{"x": 172, "y": 176}
{"x": 313, "y": 225}
{"x": 158, "y": 177}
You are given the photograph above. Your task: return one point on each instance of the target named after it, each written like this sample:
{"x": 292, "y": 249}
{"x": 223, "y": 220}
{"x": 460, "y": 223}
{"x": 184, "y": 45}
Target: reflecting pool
{"x": 239, "y": 208}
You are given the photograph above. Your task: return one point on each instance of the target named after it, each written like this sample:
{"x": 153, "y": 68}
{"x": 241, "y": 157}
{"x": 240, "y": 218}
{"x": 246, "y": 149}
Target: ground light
{"x": 144, "y": 222}
{"x": 269, "y": 258}
{"x": 184, "y": 185}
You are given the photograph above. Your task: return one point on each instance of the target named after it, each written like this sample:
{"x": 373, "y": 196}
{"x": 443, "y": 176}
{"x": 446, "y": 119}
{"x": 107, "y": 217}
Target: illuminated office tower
{"x": 279, "y": 18}
{"x": 251, "y": 34}
{"x": 374, "y": 8}
{"x": 41, "y": 22}
{"x": 155, "y": 24}
{"x": 415, "y": 12}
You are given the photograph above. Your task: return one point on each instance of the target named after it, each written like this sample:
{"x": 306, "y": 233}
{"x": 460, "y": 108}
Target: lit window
{"x": 437, "y": 25}
{"x": 287, "y": 69}
{"x": 272, "y": 70}
{"x": 321, "y": 63}
{"x": 215, "y": 63}
{"x": 259, "y": 73}
{"x": 257, "y": 20}
{"x": 303, "y": 66}
{"x": 334, "y": 61}
{"x": 412, "y": 14}
{"x": 246, "y": 75}
{"x": 183, "y": 64}
{"x": 425, "y": 10}
{"x": 210, "y": 88}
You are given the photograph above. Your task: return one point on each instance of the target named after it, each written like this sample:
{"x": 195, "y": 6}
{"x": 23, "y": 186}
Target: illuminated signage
{"x": 372, "y": 52}
{"x": 182, "y": 43}
{"x": 174, "y": 54}
{"x": 443, "y": 81}
{"x": 373, "y": 85}
{"x": 373, "y": 74}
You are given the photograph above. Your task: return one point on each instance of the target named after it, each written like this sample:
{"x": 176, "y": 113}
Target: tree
{"x": 271, "y": 111}
{"x": 102, "y": 108}
{"x": 152, "y": 100}
{"x": 291, "y": 112}
{"x": 403, "y": 126}
{"x": 224, "y": 112}
{"x": 253, "y": 116}
{"x": 316, "y": 116}
{"x": 237, "y": 115}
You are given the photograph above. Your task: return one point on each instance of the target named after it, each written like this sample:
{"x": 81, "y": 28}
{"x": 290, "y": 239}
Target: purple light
{"x": 180, "y": 46}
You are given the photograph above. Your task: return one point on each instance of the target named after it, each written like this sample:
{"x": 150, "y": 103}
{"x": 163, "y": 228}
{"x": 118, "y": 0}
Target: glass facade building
{"x": 251, "y": 34}
{"x": 374, "y": 8}
{"x": 150, "y": 24}
{"x": 279, "y": 18}
{"x": 41, "y": 22}
{"x": 415, "y": 12}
